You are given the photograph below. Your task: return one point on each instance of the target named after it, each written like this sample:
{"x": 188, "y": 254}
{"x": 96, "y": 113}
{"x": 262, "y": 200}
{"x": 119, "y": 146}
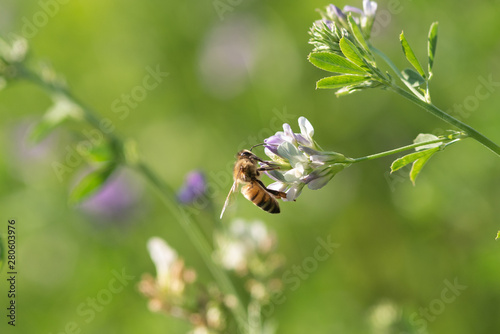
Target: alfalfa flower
{"x": 171, "y": 274}
{"x": 341, "y": 41}
{"x": 172, "y": 291}
{"x": 12, "y": 53}
{"x": 337, "y": 23}
{"x": 302, "y": 162}
{"x": 193, "y": 188}
{"x": 248, "y": 249}
{"x": 366, "y": 16}
{"x": 242, "y": 246}
{"x": 117, "y": 200}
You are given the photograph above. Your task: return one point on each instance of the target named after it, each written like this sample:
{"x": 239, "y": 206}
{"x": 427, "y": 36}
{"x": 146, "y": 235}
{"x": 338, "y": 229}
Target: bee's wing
{"x": 229, "y": 197}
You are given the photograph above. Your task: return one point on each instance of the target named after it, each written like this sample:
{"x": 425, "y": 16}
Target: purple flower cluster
{"x": 365, "y": 17}
{"x": 301, "y": 160}
{"x": 327, "y": 32}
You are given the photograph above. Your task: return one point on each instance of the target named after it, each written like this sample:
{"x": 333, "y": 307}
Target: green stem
{"x": 396, "y": 71}
{"x": 398, "y": 150}
{"x": 470, "y": 131}
{"x": 197, "y": 238}
{"x": 166, "y": 195}
{"x": 419, "y": 100}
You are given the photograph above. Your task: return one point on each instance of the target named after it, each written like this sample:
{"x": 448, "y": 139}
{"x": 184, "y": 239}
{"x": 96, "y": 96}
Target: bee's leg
{"x": 264, "y": 168}
{"x": 276, "y": 193}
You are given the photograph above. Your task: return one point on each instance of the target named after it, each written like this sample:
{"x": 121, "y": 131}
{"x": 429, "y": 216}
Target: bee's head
{"x": 245, "y": 154}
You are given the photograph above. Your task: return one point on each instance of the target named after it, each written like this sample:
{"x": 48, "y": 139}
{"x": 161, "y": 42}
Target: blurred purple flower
{"x": 193, "y": 188}
{"x": 117, "y": 199}
{"x": 228, "y": 56}
{"x": 26, "y": 151}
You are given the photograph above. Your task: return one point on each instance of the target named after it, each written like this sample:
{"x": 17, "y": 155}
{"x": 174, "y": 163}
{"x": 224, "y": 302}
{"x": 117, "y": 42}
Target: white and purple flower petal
{"x": 369, "y": 8}
{"x": 291, "y": 153}
{"x": 294, "y": 191}
{"x": 353, "y": 9}
{"x": 278, "y": 186}
{"x": 334, "y": 11}
{"x": 306, "y": 163}
{"x": 275, "y": 175}
{"x": 288, "y": 134}
{"x": 273, "y": 142}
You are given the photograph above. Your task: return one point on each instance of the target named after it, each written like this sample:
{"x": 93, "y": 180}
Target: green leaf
{"x": 350, "y": 51}
{"x": 407, "y": 159}
{"x": 357, "y": 33}
{"x": 101, "y": 153}
{"x": 410, "y": 55}
{"x": 62, "y": 110}
{"x": 419, "y": 164}
{"x": 339, "y": 81}
{"x": 412, "y": 77}
{"x": 431, "y": 46}
{"x": 498, "y": 236}
{"x": 42, "y": 129}
{"x": 357, "y": 87}
{"x": 426, "y": 137}
{"x": 91, "y": 183}
{"x": 334, "y": 63}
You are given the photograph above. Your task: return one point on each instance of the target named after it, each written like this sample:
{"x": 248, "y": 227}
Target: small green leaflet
{"x": 350, "y": 52}
{"x": 420, "y": 163}
{"x": 334, "y": 63}
{"x": 498, "y": 235}
{"x": 431, "y": 46}
{"x": 91, "y": 183}
{"x": 412, "y": 77}
{"x": 410, "y": 55}
{"x": 357, "y": 33}
{"x": 62, "y": 110}
{"x": 339, "y": 81}
{"x": 417, "y": 158}
{"x": 409, "y": 158}
{"x": 101, "y": 152}
{"x": 424, "y": 138}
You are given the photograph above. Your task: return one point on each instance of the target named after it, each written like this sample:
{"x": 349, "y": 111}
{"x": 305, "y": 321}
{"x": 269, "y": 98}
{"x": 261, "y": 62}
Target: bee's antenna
{"x": 251, "y": 148}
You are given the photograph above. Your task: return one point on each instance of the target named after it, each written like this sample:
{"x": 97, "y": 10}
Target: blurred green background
{"x": 227, "y": 74}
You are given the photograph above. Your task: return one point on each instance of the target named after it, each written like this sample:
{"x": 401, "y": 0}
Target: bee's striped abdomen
{"x": 259, "y": 196}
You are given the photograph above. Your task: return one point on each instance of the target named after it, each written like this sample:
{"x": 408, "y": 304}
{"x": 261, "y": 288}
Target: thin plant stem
{"x": 196, "y": 236}
{"x": 470, "y": 131}
{"x": 398, "y": 150}
{"x": 166, "y": 194}
{"x": 396, "y": 71}
{"x": 419, "y": 100}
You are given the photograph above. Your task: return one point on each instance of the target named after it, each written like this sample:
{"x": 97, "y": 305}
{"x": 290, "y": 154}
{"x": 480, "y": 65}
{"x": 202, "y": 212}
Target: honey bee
{"x": 247, "y": 171}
